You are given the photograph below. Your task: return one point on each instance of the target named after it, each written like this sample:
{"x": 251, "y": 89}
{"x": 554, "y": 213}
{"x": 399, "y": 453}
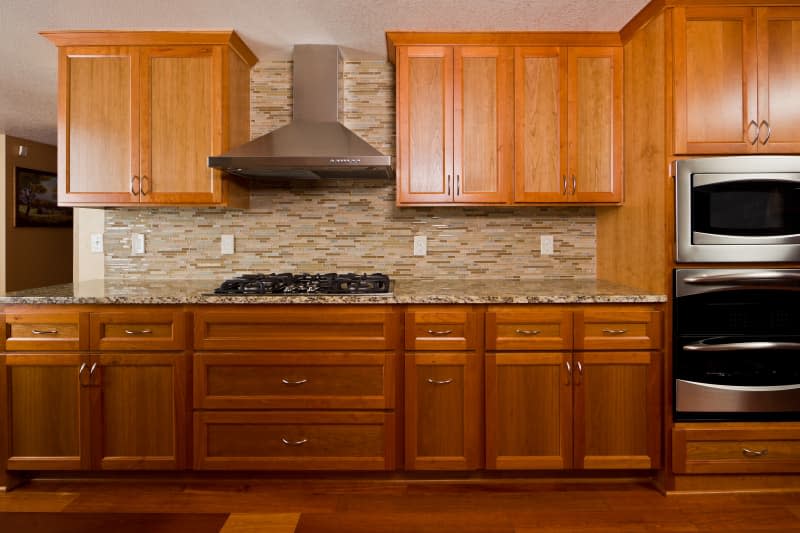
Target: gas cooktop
{"x": 283, "y": 284}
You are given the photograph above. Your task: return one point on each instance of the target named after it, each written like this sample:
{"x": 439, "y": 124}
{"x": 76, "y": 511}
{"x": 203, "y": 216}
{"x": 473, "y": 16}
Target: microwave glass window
{"x": 747, "y": 208}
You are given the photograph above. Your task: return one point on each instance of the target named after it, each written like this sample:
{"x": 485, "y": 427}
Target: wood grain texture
{"x": 441, "y": 328}
{"x": 138, "y": 330}
{"x": 52, "y": 330}
{"x": 620, "y": 328}
{"x": 526, "y": 327}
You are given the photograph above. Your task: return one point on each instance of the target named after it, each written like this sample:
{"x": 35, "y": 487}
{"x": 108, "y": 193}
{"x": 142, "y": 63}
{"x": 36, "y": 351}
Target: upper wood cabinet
{"x": 736, "y": 75}
{"x": 454, "y": 124}
{"x": 568, "y": 125}
{"x": 140, "y": 112}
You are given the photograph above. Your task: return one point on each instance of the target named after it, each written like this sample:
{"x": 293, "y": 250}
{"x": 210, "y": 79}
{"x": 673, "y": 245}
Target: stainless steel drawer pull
{"x": 569, "y": 372}
{"x": 293, "y": 382}
{"x": 138, "y": 331}
{"x": 615, "y": 331}
{"x": 287, "y": 442}
{"x": 44, "y": 331}
{"x": 527, "y": 331}
{"x": 81, "y": 370}
{"x": 440, "y": 381}
{"x": 747, "y": 452}
{"x": 440, "y": 331}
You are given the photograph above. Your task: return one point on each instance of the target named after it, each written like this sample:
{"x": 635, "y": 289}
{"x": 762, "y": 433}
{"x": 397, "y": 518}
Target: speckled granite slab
{"x": 476, "y": 291}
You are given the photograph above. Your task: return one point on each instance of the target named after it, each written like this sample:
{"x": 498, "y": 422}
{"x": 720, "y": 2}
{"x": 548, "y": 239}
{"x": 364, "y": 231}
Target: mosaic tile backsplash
{"x": 346, "y": 225}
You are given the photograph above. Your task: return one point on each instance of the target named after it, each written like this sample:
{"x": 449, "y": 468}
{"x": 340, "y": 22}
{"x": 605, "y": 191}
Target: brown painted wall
{"x": 35, "y": 257}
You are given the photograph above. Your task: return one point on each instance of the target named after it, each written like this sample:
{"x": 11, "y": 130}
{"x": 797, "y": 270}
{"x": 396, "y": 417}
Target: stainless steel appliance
{"x": 738, "y": 209}
{"x": 736, "y": 344}
{"x": 299, "y": 284}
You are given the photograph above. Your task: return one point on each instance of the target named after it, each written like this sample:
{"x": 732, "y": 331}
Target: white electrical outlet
{"x": 420, "y": 245}
{"x": 546, "y": 246}
{"x": 137, "y": 243}
{"x": 96, "y": 242}
{"x": 227, "y": 245}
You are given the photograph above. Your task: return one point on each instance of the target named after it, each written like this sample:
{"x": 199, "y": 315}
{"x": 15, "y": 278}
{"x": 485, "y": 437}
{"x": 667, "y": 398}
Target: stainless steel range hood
{"x": 315, "y": 144}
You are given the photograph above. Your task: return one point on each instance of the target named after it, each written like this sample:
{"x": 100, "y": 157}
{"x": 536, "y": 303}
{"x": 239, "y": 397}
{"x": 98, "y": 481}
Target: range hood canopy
{"x": 315, "y": 144}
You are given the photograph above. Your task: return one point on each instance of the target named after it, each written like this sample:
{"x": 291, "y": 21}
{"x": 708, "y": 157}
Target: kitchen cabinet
{"x": 735, "y": 79}
{"x": 573, "y": 388}
{"x": 80, "y": 408}
{"x": 443, "y": 384}
{"x": 140, "y": 112}
{"x": 568, "y": 125}
{"x": 454, "y": 125}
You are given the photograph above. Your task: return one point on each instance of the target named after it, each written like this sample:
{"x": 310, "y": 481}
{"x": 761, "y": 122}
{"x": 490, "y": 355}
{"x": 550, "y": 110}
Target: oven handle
{"x": 740, "y": 388}
{"x": 740, "y": 346}
{"x": 751, "y": 278}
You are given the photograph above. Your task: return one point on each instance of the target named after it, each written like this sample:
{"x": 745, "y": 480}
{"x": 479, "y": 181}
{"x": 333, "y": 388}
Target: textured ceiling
{"x": 269, "y": 27}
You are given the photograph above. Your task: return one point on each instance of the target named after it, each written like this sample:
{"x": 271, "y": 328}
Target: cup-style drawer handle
{"x": 747, "y": 452}
{"x": 527, "y": 331}
{"x": 287, "y": 442}
{"x": 439, "y": 332}
{"x": 138, "y": 331}
{"x": 440, "y": 381}
{"x": 293, "y": 381}
{"x": 615, "y": 331}
{"x": 44, "y": 331}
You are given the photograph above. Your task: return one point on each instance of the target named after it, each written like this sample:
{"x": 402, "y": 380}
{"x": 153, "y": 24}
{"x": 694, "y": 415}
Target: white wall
{"x": 86, "y": 264}
{"x": 3, "y": 214}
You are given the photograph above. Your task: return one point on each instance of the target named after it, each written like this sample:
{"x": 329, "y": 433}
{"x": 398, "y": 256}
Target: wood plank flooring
{"x": 372, "y": 506}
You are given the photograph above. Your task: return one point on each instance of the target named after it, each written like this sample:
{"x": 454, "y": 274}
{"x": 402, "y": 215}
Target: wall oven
{"x": 736, "y": 344}
{"x": 738, "y": 209}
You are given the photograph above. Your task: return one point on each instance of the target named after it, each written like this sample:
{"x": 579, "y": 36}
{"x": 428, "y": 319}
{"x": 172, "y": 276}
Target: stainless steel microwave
{"x": 738, "y": 209}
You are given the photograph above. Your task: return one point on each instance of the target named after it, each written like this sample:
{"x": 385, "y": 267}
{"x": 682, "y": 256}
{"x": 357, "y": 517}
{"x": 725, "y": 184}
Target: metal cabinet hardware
{"x": 769, "y": 132}
{"x": 580, "y": 373}
{"x": 569, "y": 372}
{"x": 527, "y": 331}
{"x": 145, "y": 181}
{"x": 138, "y": 331}
{"x": 753, "y": 135}
{"x": 440, "y": 381}
{"x": 287, "y": 442}
{"x": 458, "y": 184}
{"x": 448, "y": 185}
{"x": 608, "y": 331}
{"x": 564, "y": 184}
{"x": 747, "y": 452}
{"x": 44, "y": 331}
{"x": 81, "y": 370}
{"x": 135, "y": 185}
{"x": 574, "y": 184}
{"x": 294, "y": 382}
{"x": 440, "y": 332}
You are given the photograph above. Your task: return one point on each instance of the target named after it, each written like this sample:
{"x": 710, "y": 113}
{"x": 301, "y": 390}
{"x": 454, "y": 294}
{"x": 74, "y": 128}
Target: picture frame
{"x": 36, "y": 200}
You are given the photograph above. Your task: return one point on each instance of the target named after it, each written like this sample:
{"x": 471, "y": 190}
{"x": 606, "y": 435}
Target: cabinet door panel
{"x": 98, "y": 128}
{"x": 541, "y": 124}
{"x": 779, "y": 80}
{"x": 528, "y": 411}
{"x": 425, "y": 124}
{"x": 715, "y": 80}
{"x": 617, "y": 410}
{"x": 483, "y": 135}
{"x": 595, "y": 125}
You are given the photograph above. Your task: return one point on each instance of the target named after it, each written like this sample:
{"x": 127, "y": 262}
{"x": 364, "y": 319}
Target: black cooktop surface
{"x": 280, "y": 284}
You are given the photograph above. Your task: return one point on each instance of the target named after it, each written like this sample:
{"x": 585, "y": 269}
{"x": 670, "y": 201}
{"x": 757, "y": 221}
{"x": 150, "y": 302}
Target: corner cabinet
{"x": 140, "y": 112}
{"x": 454, "y": 125}
{"x": 736, "y": 73}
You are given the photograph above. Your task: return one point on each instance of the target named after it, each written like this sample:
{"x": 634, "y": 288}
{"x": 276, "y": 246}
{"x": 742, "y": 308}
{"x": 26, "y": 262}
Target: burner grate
{"x": 286, "y": 283}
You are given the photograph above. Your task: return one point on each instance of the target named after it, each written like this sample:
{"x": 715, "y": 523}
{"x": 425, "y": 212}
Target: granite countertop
{"x": 473, "y": 291}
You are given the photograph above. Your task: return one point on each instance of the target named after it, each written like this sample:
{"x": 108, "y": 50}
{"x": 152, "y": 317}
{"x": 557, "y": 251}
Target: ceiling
{"x": 269, "y": 27}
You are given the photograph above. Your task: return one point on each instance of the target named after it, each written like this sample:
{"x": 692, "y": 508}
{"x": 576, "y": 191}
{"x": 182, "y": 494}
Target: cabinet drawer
{"x": 45, "y": 331}
{"x": 295, "y": 441}
{"x": 312, "y": 328}
{"x": 617, "y": 329}
{"x": 138, "y": 330}
{"x": 515, "y": 328}
{"x": 294, "y": 380}
{"x": 441, "y": 328}
{"x": 736, "y": 448}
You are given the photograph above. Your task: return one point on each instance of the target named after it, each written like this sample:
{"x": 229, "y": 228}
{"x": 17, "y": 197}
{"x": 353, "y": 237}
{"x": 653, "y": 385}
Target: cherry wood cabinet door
{"x": 98, "y": 125}
{"x": 617, "y": 398}
{"x": 778, "y": 79}
{"x": 529, "y": 410}
{"x": 715, "y": 70}
{"x": 425, "y": 124}
{"x": 594, "y": 129}
{"x": 483, "y": 124}
{"x": 48, "y": 423}
{"x": 443, "y": 411}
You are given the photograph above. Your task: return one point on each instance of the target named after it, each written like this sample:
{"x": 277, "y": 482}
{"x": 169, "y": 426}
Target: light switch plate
{"x": 546, "y": 247}
{"x": 227, "y": 245}
{"x": 420, "y": 245}
{"x": 96, "y": 242}
{"x": 137, "y": 243}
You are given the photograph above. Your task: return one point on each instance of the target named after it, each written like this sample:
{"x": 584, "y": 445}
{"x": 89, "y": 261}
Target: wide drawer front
{"x": 617, "y": 329}
{"x": 45, "y": 332}
{"x": 736, "y": 448}
{"x": 330, "y": 328}
{"x": 138, "y": 330}
{"x": 518, "y": 328}
{"x": 303, "y": 380}
{"x": 441, "y": 328}
{"x": 295, "y": 441}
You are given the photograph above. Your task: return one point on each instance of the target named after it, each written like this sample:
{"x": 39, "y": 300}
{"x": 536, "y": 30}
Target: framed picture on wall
{"x": 35, "y": 200}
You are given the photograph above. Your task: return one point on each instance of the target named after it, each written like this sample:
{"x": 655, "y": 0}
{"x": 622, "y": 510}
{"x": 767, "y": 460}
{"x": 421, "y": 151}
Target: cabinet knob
{"x": 569, "y": 372}
{"x": 574, "y": 184}
{"x": 564, "y": 184}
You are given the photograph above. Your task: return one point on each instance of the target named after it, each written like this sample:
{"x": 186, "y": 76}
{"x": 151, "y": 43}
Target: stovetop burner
{"x": 280, "y": 284}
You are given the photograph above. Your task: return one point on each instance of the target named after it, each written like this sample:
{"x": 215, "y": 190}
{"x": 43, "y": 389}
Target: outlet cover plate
{"x": 420, "y": 245}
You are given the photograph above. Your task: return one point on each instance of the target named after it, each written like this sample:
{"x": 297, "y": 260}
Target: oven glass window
{"x": 752, "y": 208}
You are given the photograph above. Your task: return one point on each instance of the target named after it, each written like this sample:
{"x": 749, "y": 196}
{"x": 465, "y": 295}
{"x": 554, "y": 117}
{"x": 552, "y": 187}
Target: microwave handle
{"x": 744, "y": 278}
{"x": 740, "y": 346}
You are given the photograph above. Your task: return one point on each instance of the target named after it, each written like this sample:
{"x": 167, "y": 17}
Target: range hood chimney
{"x": 315, "y": 144}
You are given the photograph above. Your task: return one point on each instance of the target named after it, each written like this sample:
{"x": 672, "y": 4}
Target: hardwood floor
{"x": 322, "y": 506}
